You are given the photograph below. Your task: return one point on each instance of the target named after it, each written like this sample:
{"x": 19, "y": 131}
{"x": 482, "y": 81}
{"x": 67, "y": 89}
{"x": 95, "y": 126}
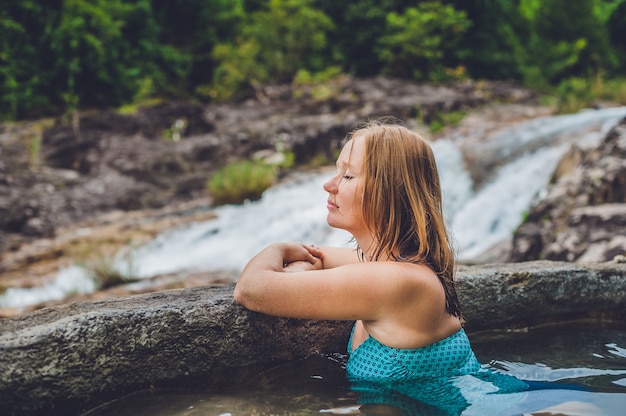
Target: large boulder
{"x": 582, "y": 217}
{"x": 65, "y": 359}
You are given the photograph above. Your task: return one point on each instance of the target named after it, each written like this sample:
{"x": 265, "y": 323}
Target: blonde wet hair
{"x": 402, "y": 202}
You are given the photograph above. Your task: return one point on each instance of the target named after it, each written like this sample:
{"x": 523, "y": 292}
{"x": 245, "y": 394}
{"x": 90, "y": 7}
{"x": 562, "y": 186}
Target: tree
{"x": 416, "y": 43}
{"x": 25, "y": 57}
{"x": 188, "y": 30}
{"x": 565, "y": 42}
{"x": 278, "y": 41}
{"x": 617, "y": 34}
{"x": 493, "y": 47}
{"x": 359, "y": 25}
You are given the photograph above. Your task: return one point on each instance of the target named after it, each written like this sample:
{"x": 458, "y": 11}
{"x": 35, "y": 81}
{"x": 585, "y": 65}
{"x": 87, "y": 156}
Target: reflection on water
{"x": 569, "y": 370}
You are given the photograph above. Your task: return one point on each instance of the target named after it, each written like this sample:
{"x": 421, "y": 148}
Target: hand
{"x": 294, "y": 253}
{"x": 303, "y": 266}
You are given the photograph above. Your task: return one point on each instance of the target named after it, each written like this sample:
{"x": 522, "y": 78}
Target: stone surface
{"x": 58, "y": 360}
{"x": 582, "y": 217}
{"x": 65, "y": 359}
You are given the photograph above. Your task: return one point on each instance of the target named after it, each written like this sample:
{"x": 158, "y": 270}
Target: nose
{"x": 330, "y": 185}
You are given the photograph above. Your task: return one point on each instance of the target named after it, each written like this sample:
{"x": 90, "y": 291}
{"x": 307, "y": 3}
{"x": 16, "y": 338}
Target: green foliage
{"x": 24, "y": 82}
{"x": 34, "y": 149}
{"x": 318, "y": 160}
{"x": 241, "y": 181}
{"x": 106, "y": 271}
{"x": 529, "y": 8}
{"x": 359, "y": 26}
{"x": 574, "y": 94}
{"x": 134, "y": 106}
{"x": 416, "y": 42}
{"x": 565, "y": 42}
{"x": 320, "y": 86}
{"x": 494, "y": 46}
{"x": 616, "y": 26}
{"x": 190, "y": 29}
{"x": 445, "y": 119}
{"x": 62, "y": 56}
{"x": 238, "y": 67}
{"x": 304, "y": 77}
{"x": 279, "y": 40}
{"x": 612, "y": 90}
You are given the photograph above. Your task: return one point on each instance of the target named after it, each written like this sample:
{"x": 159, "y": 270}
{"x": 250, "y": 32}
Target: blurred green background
{"x": 59, "y": 56}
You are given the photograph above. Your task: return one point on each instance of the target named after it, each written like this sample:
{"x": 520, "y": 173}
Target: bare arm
{"x": 338, "y": 256}
{"x": 331, "y": 257}
{"x": 346, "y": 292}
{"x": 401, "y": 304}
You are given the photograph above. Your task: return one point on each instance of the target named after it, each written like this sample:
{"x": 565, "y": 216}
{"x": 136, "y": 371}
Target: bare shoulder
{"x": 392, "y": 278}
{"x": 403, "y": 271}
{"x": 410, "y": 275}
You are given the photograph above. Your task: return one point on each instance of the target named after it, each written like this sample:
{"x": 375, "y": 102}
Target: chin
{"x": 333, "y": 224}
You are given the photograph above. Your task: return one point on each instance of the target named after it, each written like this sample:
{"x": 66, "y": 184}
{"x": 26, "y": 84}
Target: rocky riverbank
{"x": 70, "y": 192}
{"x": 74, "y": 192}
{"x": 582, "y": 216}
{"x": 66, "y": 359}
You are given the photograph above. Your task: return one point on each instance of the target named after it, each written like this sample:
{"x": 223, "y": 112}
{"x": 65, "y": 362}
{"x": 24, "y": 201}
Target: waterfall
{"x": 296, "y": 209}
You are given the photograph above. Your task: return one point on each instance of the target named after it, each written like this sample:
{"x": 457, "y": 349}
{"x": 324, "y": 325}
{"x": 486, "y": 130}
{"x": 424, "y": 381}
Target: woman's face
{"x": 345, "y": 190}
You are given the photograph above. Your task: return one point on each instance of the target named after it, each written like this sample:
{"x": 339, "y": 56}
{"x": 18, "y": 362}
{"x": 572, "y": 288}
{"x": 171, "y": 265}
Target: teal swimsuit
{"x": 427, "y": 380}
{"x": 373, "y": 361}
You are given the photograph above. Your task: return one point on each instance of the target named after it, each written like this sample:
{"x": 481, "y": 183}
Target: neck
{"x": 368, "y": 248}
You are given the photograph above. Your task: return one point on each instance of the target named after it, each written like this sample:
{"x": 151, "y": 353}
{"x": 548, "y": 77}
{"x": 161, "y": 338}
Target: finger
{"x": 297, "y": 252}
{"x": 314, "y": 250}
{"x": 311, "y": 254}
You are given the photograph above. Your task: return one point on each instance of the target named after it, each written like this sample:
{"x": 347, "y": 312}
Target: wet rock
{"x": 65, "y": 359}
{"x": 78, "y": 353}
{"x": 582, "y": 216}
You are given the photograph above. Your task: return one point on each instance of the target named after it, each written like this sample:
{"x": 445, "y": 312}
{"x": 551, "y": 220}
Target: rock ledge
{"x": 65, "y": 359}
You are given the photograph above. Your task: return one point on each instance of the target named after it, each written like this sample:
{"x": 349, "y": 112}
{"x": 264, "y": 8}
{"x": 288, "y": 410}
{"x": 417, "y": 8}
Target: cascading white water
{"x": 296, "y": 210}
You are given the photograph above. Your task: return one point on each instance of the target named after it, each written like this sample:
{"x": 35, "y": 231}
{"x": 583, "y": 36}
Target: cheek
{"x": 357, "y": 199}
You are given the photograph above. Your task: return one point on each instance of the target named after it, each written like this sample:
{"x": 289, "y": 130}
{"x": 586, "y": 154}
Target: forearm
{"x": 264, "y": 271}
{"x": 252, "y": 280}
{"x": 270, "y": 258}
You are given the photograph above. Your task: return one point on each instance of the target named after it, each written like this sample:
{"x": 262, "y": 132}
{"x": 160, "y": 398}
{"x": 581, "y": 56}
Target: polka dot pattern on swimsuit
{"x": 451, "y": 356}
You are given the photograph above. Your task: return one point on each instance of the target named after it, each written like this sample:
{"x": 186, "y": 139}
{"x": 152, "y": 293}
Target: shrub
{"x": 442, "y": 120}
{"x": 241, "y": 181}
{"x": 574, "y": 94}
{"x": 106, "y": 272}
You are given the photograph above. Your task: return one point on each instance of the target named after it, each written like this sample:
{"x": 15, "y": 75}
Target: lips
{"x": 330, "y": 204}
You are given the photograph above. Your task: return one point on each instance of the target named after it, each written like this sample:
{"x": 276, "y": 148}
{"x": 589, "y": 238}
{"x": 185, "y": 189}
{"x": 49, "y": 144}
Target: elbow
{"x": 238, "y": 294}
{"x": 243, "y": 297}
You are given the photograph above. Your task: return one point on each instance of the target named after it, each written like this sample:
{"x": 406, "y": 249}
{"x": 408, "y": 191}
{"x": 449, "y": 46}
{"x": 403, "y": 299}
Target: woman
{"x": 397, "y": 285}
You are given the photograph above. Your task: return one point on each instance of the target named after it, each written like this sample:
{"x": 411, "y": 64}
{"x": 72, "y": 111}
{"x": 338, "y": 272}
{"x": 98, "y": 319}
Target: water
{"x": 578, "y": 366}
{"x": 296, "y": 210}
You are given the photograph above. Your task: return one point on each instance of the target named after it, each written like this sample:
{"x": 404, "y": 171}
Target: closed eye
{"x": 347, "y": 177}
